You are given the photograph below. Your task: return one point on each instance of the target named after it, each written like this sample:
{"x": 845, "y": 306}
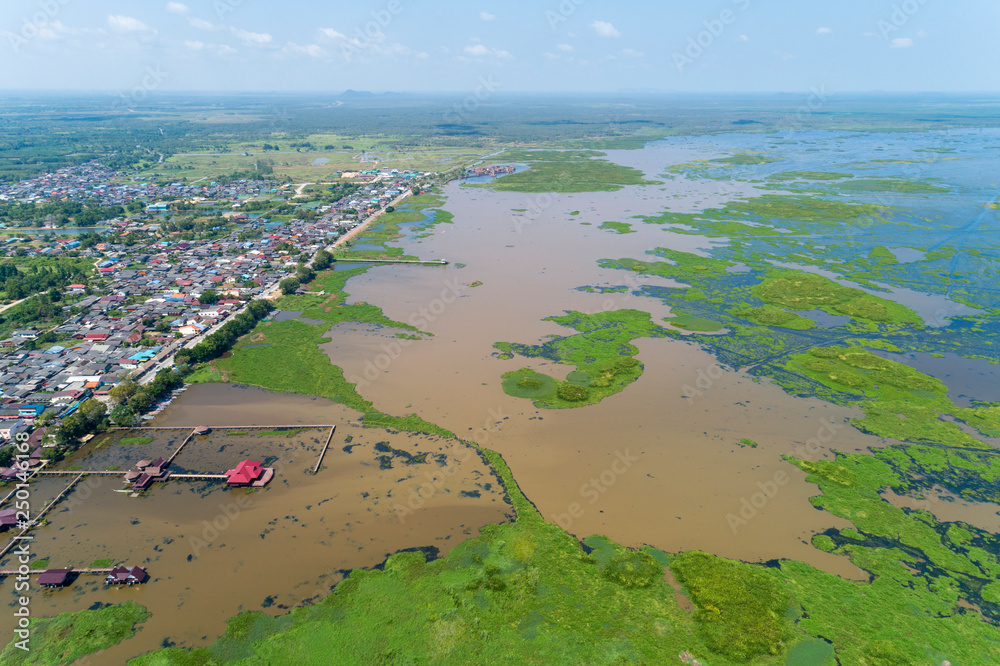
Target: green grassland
{"x": 601, "y": 351}
{"x": 296, "y": 163}
{"x": 70, "y": 636}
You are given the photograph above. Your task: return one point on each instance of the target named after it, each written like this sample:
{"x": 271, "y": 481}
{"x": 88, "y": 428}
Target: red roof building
{"x": 249, "y": 473}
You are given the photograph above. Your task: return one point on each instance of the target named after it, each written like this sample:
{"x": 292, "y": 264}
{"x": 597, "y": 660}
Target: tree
{"x": 92, "y": 412}
{"x": 123, "y": 391}
{"x": 305, "y": 275}
{"x": 289, "y": 286}
{"x": 123, "y": 416}
{"x": 322, "y": 261}
{"x": 209, "y": 297}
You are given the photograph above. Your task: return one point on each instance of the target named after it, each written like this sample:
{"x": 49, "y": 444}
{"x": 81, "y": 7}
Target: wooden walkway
{"x": 34, "y": 519}
{"x": 326, "y": 446}
{"x": 198, "y": 476}
{"x": 36, "y": 572}
{"x": 180, "y": 448}
{"x": 58, "y": 472}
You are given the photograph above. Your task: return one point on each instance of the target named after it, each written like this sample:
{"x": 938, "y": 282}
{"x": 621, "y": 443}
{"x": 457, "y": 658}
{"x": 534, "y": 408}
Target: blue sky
{"x": 515, "y": 45}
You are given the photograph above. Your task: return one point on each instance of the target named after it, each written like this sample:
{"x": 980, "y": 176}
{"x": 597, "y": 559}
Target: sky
{"x": 510, "y": 46}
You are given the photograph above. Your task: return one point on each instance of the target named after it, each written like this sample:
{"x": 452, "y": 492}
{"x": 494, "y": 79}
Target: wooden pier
{"x": 38, "y": 572}
{"x": 326, "y": 446}
{"x": 210, "y": 477}
{"x": 39, "y": 516}
{"x": 181, "y": 447}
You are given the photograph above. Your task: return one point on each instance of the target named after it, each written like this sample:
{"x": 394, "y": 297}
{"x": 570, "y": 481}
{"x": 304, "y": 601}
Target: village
{"x": 148, "y": 300}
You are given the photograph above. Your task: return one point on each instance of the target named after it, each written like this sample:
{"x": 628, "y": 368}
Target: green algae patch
{"x": 797, "y": 290}
{"x": 694, "y": 324}
{"x": 602, "y": 353}
{"x": 769, "y": 315}
{"x": 899, "y": 402}
{"x": 803, "y": 209}
{"x": 811, "y": 175}
{"x": 70, "y": 636}
{"x": 618, "y": 227}
{"x": 529, "y": 384}
{"x": 894, "y": 186}
{"x": 566, "y": 172}
{"x": 746, "y": 159}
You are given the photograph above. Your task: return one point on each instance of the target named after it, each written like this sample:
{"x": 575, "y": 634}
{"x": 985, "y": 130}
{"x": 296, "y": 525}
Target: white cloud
{"x": 824, "y": 31}
{"x": 901, "y": 43}
{"x": 201, "y": 24}
{"x": 332, "y": 34}
{"x": 922, "y": 34}
{"x": 219, "y": 49}
{"x": 632, "y": 53}
{"x": 252, "y": 38}
{"x": 481, "y": 51}
{"x": 486, "y": 16}
{"x": 312, "y": 50}
{"x": 54, "y": 30}
{"x": 605, "y": 29}
{"x": 565, "y": 47}
{"x": 744, "y": 38}
{"x": 177, "y": 8}
{"x": 127, "y": 24}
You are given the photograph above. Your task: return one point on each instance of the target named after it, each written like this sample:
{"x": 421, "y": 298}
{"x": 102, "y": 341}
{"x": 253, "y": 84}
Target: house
{"x": 8, "y": 517}
{"x": 127, "y": 576}
{"x": 250, "y": 473}
{"x": 9, "y": 429}
{"x": 55, "y": 577}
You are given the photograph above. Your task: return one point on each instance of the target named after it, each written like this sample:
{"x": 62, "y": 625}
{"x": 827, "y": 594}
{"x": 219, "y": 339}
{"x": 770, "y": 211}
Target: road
{"x": 360, "y": 229}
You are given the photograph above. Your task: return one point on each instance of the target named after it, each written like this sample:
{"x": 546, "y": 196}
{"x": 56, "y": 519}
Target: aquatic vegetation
{"x": 618, "y": 227}
{"x": 566, "y": 171}
{"x": 769, "y": 315}
{"x": 899, "y": 402}
{"x": 293, "y": 362}
{"x": 803, "y": 209}
{"x": 742, "y": 609}
{"x": 134, "y": 441}
{"x": 695, "y": 324}
{"x": 741, "y": 159}
{"x": 887, "y": 185}
{"x": 811, "y": 175}
{"x": 798, "y": 290}
{"x": 70, "y": 636}
{"x": 602, "y": 353}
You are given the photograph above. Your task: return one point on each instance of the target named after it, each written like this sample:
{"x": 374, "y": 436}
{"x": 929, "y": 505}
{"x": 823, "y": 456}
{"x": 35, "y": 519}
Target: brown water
{"x": 212, "y": 551}
{"x": 688, "y": 477}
